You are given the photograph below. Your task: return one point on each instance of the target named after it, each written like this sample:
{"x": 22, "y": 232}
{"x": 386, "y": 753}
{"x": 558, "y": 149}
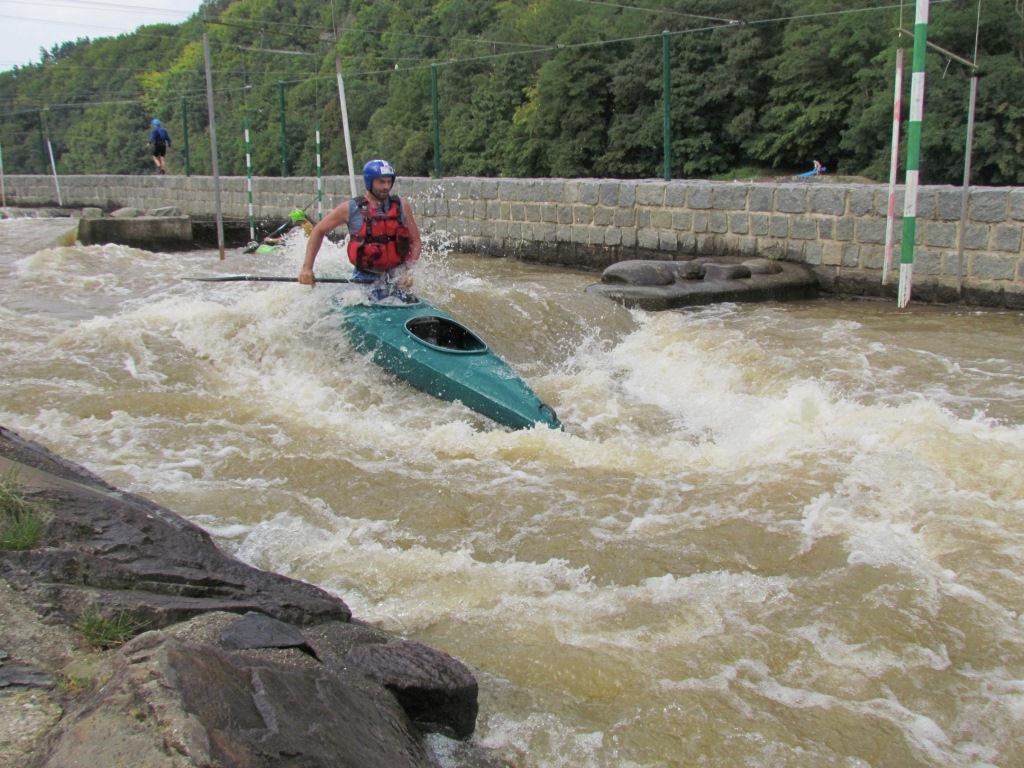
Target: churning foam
{"x": 754, "y": 516}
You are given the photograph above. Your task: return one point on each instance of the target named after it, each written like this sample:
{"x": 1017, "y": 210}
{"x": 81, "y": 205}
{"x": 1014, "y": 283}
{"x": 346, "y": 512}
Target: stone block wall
{"x": 838, "y": 229}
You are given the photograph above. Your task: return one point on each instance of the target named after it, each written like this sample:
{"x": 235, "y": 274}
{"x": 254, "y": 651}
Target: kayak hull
{"x": 429, "y": 349}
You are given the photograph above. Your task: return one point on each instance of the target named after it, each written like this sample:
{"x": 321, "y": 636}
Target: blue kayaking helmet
{"x": 156, "y": 122}
{"x": 375, "y": 169}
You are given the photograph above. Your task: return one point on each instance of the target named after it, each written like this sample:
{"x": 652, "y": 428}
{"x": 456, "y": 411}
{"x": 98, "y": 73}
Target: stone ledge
{"x": 185, "y": 684}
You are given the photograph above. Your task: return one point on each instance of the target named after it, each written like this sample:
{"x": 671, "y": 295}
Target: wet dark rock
{"x": 115, "y": 552}
{"x": 726, "y": 271}
{"x": 763, "y": 266}
{"x": 437, "y": 691}
{"x": 255, "y": 630}
{"x": 210, "y": 707}
{"x": 704, "y": 280}
{"x": 652, "y": 273}
{"x": 641, "y": 273}
{"x": 292, "y": 682}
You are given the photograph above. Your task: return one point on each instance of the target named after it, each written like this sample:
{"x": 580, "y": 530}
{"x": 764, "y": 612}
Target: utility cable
{"x": 537, "y": 49}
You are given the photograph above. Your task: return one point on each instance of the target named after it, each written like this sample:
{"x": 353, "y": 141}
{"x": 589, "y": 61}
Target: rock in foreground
{"x": 233, "y": 666}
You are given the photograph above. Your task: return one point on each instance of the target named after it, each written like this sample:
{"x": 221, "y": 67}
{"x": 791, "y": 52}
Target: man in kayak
{"x": 384, "y": 240}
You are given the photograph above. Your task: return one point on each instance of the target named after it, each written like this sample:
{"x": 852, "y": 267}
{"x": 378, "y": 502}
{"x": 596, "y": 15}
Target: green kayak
{"x": 429, "y": 349}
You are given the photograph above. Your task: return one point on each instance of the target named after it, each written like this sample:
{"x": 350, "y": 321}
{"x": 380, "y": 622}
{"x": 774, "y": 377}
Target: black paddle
{"x": 263, "y": 279}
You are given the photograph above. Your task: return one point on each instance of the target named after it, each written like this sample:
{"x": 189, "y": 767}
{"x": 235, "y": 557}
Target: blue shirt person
{"x": 161, "y": 141}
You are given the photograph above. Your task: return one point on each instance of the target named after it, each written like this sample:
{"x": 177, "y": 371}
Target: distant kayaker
{"x": 296, "y": 218}
{"x": 384, "y": 240}
{"x": 161, "y": 141}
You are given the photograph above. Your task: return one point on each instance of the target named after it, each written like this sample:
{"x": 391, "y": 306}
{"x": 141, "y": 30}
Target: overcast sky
{"x": 28, "y": 25}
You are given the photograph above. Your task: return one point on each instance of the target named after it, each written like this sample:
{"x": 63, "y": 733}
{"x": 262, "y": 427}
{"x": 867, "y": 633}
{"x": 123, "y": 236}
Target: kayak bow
{"x": 429, "y": 349}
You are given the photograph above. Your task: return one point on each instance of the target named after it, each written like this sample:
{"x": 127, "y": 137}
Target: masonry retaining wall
{"x": 837, "y": 229}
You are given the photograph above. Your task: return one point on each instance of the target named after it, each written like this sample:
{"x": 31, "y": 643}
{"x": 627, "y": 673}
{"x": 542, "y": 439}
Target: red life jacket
{"x": 382, "y": 242}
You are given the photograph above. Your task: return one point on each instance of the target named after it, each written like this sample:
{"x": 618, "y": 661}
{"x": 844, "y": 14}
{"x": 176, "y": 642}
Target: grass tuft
{"x": 22, "y": 521}
{"x": 72, "y": 685}
{"x": 102, "y": 632}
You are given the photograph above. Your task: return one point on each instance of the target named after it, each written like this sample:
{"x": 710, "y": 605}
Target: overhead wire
{"x": 668, "y": 11}
{"x": 535, "y": 49}
{"x": 100, "y": 5}
{"x": 117, "y": 30}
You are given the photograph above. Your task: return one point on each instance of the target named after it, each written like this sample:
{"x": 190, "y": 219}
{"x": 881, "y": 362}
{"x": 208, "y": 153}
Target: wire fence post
{"x": 436, "y": 112}
{"x": 913, "y": 153}
{"x": 666, "y": 99}
{"x": 184, "y": 135}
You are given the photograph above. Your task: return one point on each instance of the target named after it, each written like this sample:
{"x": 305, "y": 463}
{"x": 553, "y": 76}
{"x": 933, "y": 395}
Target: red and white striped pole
{"x": 894, "y": 167}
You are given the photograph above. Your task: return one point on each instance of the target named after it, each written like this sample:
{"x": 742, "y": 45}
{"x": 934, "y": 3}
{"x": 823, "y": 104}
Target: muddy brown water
{"x": 770, "y": 535}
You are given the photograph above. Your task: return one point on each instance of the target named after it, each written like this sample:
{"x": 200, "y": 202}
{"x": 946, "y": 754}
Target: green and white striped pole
{"x": 913, "y": 153}
{"x": 319, "y": 177}
{"x": 248, "y": 183}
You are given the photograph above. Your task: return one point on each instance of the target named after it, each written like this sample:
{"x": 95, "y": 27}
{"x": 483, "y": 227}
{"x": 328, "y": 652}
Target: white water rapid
{"x": 770, "y": 535}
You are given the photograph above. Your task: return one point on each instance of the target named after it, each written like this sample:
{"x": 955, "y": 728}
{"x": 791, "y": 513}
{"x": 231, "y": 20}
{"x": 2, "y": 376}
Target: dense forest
{"x": 528, "y": 88}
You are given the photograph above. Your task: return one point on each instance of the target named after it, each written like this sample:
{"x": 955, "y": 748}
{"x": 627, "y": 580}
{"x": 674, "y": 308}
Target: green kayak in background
{"x": 426, "y": 347}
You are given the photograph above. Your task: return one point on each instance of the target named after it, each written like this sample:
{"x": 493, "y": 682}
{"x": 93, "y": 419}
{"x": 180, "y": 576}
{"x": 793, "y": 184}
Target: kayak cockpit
{"x": 445, "y": 334}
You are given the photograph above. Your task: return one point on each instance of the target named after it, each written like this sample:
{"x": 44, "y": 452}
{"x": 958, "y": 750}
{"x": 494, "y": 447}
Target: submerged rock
{"x": 657, "y": 285}
{"x": 438, "y": 692}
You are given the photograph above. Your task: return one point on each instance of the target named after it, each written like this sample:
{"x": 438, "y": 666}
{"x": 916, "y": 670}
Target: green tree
{"x": 815, "y": 91}
{"x": 526, "y": 87}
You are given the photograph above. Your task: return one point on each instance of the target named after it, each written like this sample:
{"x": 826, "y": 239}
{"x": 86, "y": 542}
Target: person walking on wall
{"x": 384, "y": 240}
{"x": 161, "y": 141}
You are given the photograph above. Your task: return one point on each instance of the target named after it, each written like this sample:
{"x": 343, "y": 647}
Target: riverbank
{"x": 206, "y": 661}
